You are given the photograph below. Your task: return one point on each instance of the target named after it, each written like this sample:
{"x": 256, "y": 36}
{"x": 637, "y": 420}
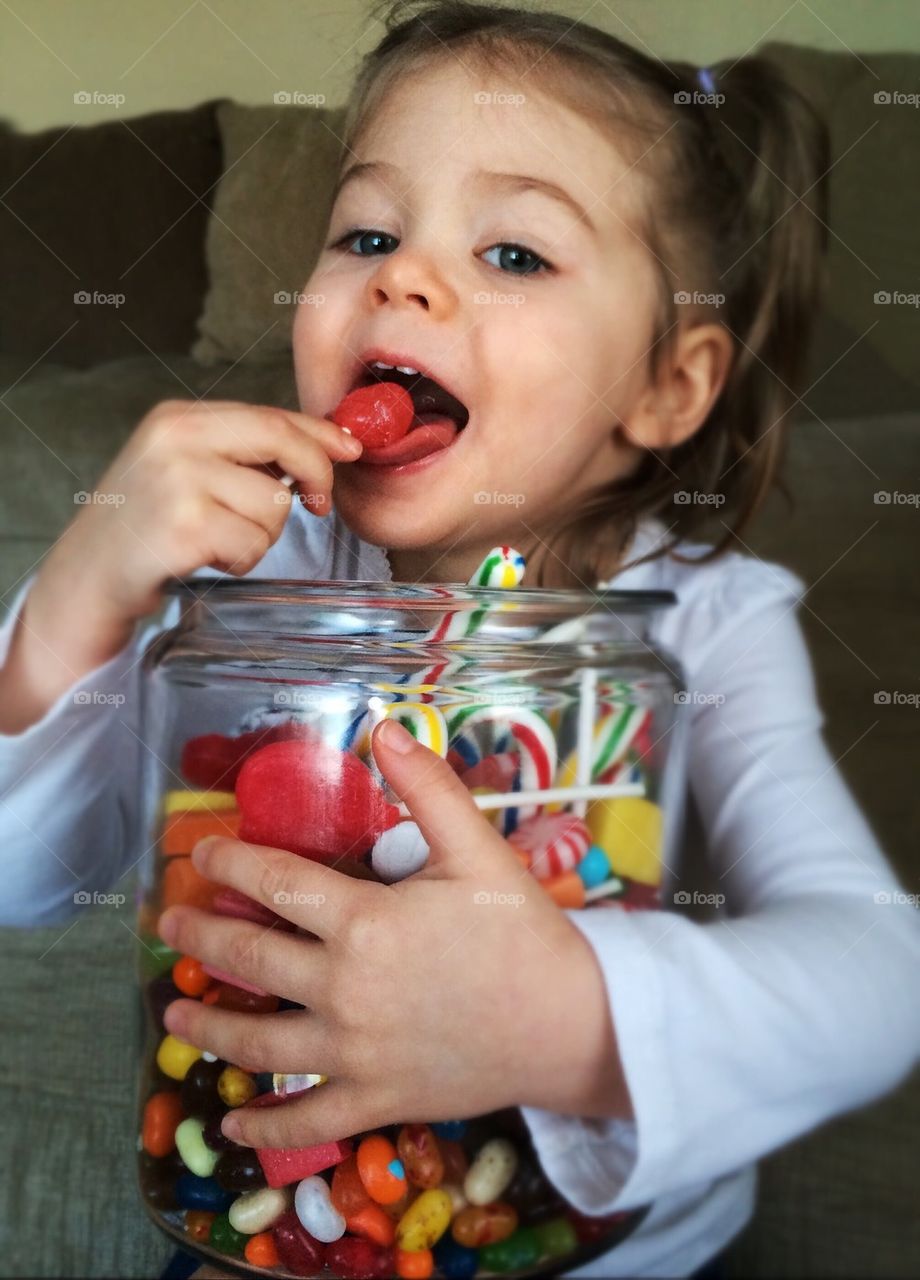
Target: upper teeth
{"x": 402, "y": 368}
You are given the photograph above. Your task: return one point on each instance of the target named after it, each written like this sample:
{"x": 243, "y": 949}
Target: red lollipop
{"x": 377, "y": 415}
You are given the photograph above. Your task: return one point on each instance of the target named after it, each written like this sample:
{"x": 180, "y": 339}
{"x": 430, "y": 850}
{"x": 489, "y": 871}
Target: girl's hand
{"x": 192, "y": 487}
{"x": 460, "y": 990}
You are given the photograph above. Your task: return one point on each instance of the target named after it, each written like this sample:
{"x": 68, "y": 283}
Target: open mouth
{"x": 439, "y": 416}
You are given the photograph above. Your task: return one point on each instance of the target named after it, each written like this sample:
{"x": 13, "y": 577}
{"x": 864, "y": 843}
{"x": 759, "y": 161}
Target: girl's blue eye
{"x": 517, "y": 256}
{"x": 359, "y": 234}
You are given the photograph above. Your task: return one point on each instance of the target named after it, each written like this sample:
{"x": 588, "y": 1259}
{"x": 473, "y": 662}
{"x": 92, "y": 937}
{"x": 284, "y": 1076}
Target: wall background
{"x": 174, "y": 53}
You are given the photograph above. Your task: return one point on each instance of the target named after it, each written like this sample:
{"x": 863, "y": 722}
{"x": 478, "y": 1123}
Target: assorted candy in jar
{"x": 556, "y": 711}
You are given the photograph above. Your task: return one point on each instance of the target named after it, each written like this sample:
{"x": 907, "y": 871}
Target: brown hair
{"x": 733, "y": 159}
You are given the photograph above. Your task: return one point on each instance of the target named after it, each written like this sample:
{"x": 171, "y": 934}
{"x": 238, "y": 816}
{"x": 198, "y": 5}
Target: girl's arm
{"x": 799, "y": 1001}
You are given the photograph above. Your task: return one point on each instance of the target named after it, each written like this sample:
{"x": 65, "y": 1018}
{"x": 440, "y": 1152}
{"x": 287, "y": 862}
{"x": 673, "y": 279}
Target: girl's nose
{"x": 408, "y": 280}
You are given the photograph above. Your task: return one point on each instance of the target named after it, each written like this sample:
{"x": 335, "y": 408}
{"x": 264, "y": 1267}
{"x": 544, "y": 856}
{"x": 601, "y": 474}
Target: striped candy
{"x": 556, "y": 843}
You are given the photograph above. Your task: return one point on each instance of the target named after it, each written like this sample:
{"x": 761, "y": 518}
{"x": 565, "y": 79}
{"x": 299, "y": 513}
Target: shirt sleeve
{"x": 798, "y": 1001}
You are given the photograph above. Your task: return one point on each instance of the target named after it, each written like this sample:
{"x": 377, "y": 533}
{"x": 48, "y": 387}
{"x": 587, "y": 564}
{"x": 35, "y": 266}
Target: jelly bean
{"x": 175, "y": 1056}
{"x": 193, "y": 1192}
{"x": 198, "y": 1224}
{"x": 162, "y": 1114}
{"x": 355, "y": 1259}
{"x": 261, "y": 1251}
{"x": 182, "y": 831}
{"x": 381, "y": 1169}
{"x": 589, "y": 1228}
{"x": 283, "y": 1165}
{"x": 160, "y": 993}
{"x": 377, "y": 415}
{"x": 491, "y": 1171}
{"x": 514, "y": 1254}
{"x": 316, "y": 1211}
{"x": 349, "y": 1194}
{"x": 198, "y": 801}
{"x": 373, "y": 1223}
{"x": 629, "y": 829}
{"x": 484, "y": 1224}
{"x": 256, "y": 1211}
{"x": 214, "y": 1136}
{"x": 225, "y": 1237}
{"x": 236, "y": 1087}
{"x": 297, "y": 1249}
{"x": 594, "y": 867}
{"x": 556, "y": 1237}
{"x": 456, "y": 1165}
{"x": 531, "y": 1193}
{"x": 191, "y": 1147}
{"x": 396, "y": 1210}
{"x": 190, "y": 977}
{"x": 567, "y": 890}
{"x": 154, "y": 957}
{"x": 311, "y": 799}
{"x": 184, "y": 884}
{"x": 227, "y": 996}
{"x": 199, "y": 1090}
{"x": 238, "y": 1169}
{"x": 421, "y": 1158}
{"x": 454, "y": 1261}
{"x": 458, "y": 1201}
{"x": 425, "y": 1221}
{"x": 157, "y": 1178}
{"x": 414, "y": 1264}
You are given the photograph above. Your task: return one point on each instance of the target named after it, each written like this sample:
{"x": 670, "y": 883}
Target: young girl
{"x": 611, "y": 263}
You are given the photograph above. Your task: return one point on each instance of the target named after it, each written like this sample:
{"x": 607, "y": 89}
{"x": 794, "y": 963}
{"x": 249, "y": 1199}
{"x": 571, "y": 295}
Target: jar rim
{"x": 438, "y": 595}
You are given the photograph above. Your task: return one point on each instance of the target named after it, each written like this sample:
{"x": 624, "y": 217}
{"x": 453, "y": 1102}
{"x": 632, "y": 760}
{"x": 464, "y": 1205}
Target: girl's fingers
{"x": 259, "y": 1041}
{"x": 309, "y": 894}
{"x": 251, "y": 493}
{"x": 282, "y": 963}
{"x": 234, "y": 544}
{"x": 260, "y": 433}
{"x": 326, "y": 1113}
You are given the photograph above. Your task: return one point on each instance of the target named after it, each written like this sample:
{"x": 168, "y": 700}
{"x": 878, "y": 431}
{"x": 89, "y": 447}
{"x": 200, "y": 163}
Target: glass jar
{"x": 558, "y": 693}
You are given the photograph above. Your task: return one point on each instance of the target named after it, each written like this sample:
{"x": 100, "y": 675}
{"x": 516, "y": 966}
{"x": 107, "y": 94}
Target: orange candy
{"x": 190, "y": 977}
{"x": 348, "y": 1195}
{"x": 414, "y": 1264}
{"x": 373, "y": 1223}
{"x": 260, "y": 1250}
{"x": 381, "y": 1169}
{"x": 182, "y": 831}
{"x": 162, "y": 1114}
{"x": 198, "y": 1223}
{"x": 182, "y": 884}
{"x": 567, "y": 890}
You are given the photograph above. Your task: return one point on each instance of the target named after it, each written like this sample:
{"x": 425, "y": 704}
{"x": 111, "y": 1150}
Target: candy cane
{"x": 532, "y": 736}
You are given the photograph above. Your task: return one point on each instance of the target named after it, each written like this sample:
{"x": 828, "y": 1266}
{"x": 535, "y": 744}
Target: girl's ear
{"x": 677, "y": 404}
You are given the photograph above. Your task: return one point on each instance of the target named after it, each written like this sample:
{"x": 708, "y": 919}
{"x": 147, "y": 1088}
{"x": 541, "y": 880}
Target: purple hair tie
{"x": 706, "y": 79}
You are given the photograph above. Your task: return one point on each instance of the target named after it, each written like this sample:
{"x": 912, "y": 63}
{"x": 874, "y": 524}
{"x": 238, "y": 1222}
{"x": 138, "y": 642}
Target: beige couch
{"x": 841, "y": 1202}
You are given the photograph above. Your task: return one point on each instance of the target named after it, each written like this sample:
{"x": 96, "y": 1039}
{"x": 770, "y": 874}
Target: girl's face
{"x": 533, "y": 306}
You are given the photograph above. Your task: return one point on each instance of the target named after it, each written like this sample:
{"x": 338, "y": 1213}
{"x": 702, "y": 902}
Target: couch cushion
{"x": 118, "y": 208}
{"x": 270, "y": 215}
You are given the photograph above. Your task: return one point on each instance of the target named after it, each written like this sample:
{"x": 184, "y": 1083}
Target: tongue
{"x": 430, "y": 433}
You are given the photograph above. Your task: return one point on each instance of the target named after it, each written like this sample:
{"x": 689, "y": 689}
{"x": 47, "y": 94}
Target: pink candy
{"x": 555, "y": 842}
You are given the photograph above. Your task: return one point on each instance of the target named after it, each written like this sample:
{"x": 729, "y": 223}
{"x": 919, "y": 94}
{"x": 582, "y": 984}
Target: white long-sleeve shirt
{"x": 736, "y": 1035}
